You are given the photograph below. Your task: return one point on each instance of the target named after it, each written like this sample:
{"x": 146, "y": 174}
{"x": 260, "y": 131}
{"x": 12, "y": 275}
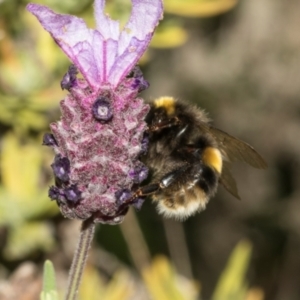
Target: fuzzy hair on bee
{"x": 188, "y": 158}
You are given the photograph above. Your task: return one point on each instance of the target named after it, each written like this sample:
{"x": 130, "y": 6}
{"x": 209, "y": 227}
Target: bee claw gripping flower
{"x": 98, "y": 140}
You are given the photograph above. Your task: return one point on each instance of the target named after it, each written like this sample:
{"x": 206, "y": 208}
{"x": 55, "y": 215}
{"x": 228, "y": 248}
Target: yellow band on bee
{"x": 213, "y": 158}
{"x": 168, "y": 103}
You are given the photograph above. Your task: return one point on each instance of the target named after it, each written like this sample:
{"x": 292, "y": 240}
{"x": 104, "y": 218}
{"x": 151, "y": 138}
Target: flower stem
{"x": 79, "y": 259}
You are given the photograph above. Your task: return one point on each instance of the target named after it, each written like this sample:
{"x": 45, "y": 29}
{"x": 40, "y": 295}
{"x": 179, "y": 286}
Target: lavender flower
{"x": 69, "y": 78}
{"x": 99, "y": 137}
{"x": 49, "y": 140}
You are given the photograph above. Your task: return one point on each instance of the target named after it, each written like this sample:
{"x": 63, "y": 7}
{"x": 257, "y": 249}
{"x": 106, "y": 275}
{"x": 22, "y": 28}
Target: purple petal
{"x": 109, "y": 28}
{"x": 124, "y": 63}
{"x": 69, "y": 78}
{"x": 61, "y": 168}
{"x": 136, "y": 36}
{"x": 103, "y": 56}
{"x": 144, "y": 17}
{"x": 85, "y": 47}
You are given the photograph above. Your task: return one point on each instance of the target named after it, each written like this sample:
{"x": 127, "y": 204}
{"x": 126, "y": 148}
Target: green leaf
{"x": 232, "y": 283}
{"x": 49, "y": 282}
{"x": 24, "y": 239}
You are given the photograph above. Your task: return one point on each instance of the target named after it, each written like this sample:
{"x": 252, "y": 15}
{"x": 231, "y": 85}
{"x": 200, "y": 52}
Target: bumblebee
{"x": 188, "y": 158}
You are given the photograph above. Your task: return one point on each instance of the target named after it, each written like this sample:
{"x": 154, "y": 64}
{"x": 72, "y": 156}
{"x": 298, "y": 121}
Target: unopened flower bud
{"x": 69, "y": 78}
{"x": 139, "y": 82}
{"x": 73, "y": 194}
{"x": 56, "y": 194}
{"x": 61, "y": 168}
{"x": 139, "y": 174}
{"x": 49, "y": 140}
{"x": 122, "y": 196}
{"x": 137, "y": 204}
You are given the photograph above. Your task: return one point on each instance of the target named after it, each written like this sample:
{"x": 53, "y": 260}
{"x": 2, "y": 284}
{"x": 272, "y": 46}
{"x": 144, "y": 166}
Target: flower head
{"x": 98, "y": 140}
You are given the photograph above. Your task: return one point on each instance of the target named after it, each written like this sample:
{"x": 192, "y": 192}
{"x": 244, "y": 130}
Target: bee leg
{"x": 142, "y": 192}
{"x": 174, "y": 121}
{"x": 153, "y": 188}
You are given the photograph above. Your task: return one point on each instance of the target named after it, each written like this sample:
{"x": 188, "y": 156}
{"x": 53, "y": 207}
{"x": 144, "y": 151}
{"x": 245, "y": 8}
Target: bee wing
{"x": 228, "y": 181}
{"x": 235, "y": 149}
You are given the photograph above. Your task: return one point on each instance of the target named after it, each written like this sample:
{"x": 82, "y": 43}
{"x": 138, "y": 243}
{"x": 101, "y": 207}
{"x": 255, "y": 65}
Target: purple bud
{"x": 136, "y": 72}
{"x": 102, "y": 110}
{"x": 145, "y": 144}
{"x": 49, "y": 140}
{"x": 73, "y": 194}
{"x": 122, "y": 196}
{"x": 61, "y": 168}
{"x": 69, "y": 78}
{"x": 138, "y": 203}
{"x": 55, "y": 193}
{"x": 139, "y": 83}
{"x": 139, "y": 174}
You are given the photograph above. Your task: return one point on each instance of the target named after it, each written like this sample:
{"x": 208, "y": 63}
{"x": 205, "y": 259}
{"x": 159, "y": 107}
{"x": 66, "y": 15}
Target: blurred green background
{"x": 240, "y": 61}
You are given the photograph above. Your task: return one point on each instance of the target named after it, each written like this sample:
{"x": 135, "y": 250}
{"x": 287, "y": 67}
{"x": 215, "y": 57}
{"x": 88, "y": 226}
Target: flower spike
{"x": 101, "y": 134}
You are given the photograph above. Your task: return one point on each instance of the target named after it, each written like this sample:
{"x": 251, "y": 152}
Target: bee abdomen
{"x": 189, "y": 196}
{"x": 212, "y": 157}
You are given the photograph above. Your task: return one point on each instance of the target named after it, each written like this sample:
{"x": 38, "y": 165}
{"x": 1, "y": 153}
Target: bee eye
{"x": 102, "y": 110}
